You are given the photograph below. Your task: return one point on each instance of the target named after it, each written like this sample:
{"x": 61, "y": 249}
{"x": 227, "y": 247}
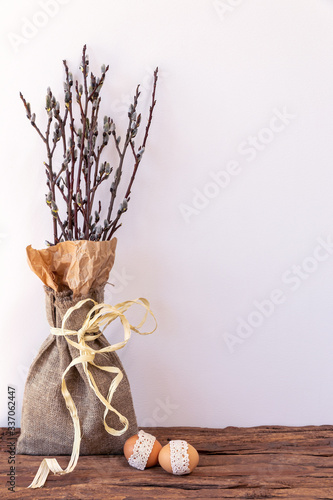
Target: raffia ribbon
{"x": 98, "y": 318}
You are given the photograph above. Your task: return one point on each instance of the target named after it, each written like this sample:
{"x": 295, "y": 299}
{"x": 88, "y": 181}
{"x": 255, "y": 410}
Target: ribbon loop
{"x": 96, "y": 321}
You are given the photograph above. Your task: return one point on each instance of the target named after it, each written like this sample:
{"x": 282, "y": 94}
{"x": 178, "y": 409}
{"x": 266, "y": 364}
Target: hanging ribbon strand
{"x": 98, "y": 318}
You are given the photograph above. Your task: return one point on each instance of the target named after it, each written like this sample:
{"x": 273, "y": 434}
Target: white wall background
{"x": 226, "y": 69}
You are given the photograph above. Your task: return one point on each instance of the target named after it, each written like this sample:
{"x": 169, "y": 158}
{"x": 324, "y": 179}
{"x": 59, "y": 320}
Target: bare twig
{"x": 83, "y": 156}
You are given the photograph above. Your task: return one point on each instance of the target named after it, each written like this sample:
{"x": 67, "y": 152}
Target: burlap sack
{"x": 46, "y": 425}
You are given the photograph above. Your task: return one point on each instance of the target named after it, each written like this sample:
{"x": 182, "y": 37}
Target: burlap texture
{"x": 46, "y": 425}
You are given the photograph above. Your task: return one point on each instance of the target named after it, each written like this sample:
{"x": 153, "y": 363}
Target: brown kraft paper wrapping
{"x": 79, "y": 266}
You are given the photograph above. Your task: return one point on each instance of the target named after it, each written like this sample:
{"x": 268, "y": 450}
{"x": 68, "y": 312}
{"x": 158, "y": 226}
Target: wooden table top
{"x": 258, "y": 462}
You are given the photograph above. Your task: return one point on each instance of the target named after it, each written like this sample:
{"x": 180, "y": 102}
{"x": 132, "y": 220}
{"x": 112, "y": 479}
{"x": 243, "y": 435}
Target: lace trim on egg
{"x": 141, "y": 451}
{"x": 179, "y": 457}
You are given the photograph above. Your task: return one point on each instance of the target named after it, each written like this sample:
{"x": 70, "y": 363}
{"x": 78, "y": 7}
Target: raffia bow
{"x": 98, "y": 318}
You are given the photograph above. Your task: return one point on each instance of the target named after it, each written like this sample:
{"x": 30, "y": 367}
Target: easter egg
{"x": 178, "y": 457}
{"x": 141, "y": 450}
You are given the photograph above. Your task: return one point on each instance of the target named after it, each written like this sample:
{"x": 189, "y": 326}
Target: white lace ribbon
{"x": 180, "y": 461}
{"x": 141, "y": 451}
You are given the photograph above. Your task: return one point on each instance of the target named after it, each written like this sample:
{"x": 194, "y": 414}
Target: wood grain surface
{"x": 245, "y": 463}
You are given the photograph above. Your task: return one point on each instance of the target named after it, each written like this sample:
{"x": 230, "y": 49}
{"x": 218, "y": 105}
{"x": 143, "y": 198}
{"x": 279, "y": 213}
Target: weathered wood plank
{"x": 242, "y": 463}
